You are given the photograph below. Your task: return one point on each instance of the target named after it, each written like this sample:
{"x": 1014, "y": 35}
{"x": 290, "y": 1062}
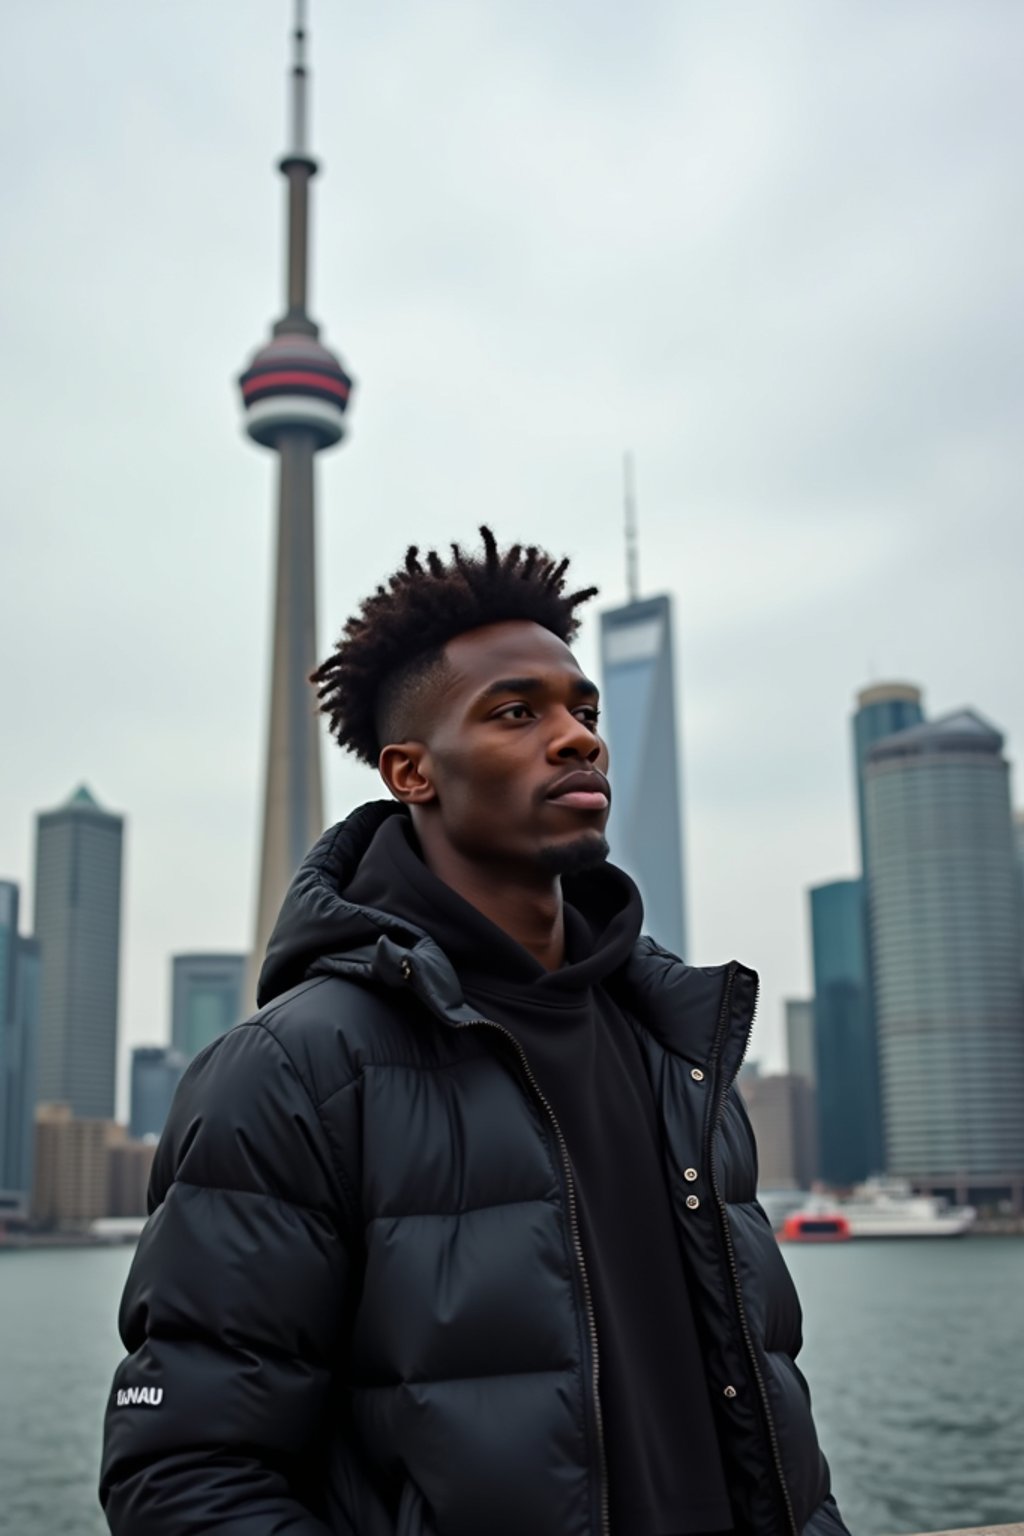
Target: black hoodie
{"x": 665, "y": 1472}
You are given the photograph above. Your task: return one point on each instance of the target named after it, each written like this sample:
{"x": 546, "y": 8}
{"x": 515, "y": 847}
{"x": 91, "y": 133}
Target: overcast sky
{"x": 777, "y": 250}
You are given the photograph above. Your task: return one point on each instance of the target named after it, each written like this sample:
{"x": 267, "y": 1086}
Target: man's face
{"x": 513, "y": 754}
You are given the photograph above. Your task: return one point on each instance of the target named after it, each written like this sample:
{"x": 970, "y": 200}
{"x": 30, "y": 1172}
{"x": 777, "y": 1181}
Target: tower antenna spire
{"x": 299, "y": 77}
{"x": 632, "y": 551}
{"x": 298, "y": 166}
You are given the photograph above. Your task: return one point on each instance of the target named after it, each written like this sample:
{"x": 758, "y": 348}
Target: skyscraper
{"x": 800, "y": 1049}
{"x": 22, "y": 1058}
{"x": 638, "y": 721}
{"x": 946, "y": 926}
{"x": 156, "y": 1073}
{"x": 207, "y": 997}
{"x": 295, "y": 393}
{"x": 8, "y": 973}
{"x": 882, "y": 709}
{"x": 19, "y": 1031}
{"x": 78, "y": 926}
{"x": 849, "y": 1133}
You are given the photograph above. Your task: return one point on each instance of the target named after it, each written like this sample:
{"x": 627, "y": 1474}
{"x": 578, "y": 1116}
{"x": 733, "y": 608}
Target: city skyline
{"x": 804, "y": 316}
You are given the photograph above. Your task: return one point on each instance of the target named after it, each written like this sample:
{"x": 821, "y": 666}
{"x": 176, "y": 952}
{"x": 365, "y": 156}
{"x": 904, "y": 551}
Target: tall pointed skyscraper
{"x": 638, "y": 706}
{"x": 78, "y": 925}
{"x": 295, "y": 393}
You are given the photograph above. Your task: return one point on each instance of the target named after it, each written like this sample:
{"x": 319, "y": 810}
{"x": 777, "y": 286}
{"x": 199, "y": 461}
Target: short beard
{"x": 574, "y": 858}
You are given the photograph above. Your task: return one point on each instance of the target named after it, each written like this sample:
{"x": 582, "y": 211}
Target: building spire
{"x": 632, "y": 551}
{"x": 298, "y": 98}
{"x": 299, "y": 167}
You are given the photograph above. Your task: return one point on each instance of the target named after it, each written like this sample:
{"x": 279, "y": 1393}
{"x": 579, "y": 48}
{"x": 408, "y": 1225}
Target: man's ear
{"x": 405, "y": 769}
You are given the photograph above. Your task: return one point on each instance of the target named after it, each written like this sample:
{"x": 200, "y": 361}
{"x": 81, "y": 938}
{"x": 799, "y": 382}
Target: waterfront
{"x": 913, "y": 1352}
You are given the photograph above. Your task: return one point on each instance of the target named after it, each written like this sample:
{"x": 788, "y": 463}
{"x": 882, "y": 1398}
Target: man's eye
{"x": 590, "y": 716}
{"x": 514, "y": 712}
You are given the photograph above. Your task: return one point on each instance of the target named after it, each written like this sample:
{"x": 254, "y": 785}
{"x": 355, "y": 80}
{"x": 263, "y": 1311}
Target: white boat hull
{"x": 889, "y": 1208}
{"x": 884, "y": 1208}
{"x": 953, "y": 1225}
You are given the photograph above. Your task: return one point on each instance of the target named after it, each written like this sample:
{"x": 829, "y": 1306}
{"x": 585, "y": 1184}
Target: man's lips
{"x": 581, "y": 791}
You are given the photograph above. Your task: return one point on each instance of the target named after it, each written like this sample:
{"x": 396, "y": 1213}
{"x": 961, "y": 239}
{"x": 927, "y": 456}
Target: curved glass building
{"x": 945, "y": 915}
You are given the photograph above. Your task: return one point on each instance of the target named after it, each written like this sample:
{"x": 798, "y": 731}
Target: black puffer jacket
{"x": 358, "y": 1306}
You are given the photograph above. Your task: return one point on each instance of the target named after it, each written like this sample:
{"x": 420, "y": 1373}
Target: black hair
{"x": 387, "y": 651}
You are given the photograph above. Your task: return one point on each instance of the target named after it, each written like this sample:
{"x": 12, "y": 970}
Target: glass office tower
{"x": 882, "y": 710}
{"x": 19, "y": 1029}
{"x": 78, "y": 925}
{"x": 8, "y": 973}
{"x": 945, "y": 906}
{"x": 207, "y": 995}
{"x": 849, "y": 1132}
{"x": 638, "y": 720}
{"x": 156, "y": 1073}
{"x": 800, "y": 1050}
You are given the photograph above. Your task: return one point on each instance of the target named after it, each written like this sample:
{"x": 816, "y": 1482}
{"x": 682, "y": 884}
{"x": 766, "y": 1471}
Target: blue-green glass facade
{"x": 882, "y": 710}
{"x": 8, "y": 965}
{"x": 19, "y": 1033}
{"x": 849, "y": 1132}
{"x": 156, "y": 1073}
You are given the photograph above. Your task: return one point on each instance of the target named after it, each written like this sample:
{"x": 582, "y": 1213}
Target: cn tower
{"x": 294, "y": 393}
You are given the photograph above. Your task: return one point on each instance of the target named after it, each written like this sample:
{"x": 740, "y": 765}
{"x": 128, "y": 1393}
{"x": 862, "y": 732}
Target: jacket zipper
{"x": 730, "y": 1253}
{"x": 406, "y": 969}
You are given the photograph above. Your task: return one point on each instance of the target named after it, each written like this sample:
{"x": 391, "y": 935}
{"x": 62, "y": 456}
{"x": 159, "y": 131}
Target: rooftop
{"x": 962, "y": 730}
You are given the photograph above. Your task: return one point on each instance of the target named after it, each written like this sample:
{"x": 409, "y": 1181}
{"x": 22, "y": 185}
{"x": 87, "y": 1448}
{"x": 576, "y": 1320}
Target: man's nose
{"x": 575, "y": 740}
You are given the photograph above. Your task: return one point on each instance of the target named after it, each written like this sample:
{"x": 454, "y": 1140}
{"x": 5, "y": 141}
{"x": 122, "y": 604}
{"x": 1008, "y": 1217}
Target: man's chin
{"x": 576, "y": 856}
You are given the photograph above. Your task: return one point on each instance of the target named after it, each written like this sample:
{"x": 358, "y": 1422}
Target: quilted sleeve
{"x": 233, "y": 1308}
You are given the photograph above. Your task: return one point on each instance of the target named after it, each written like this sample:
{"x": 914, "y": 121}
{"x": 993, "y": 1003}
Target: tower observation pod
{"x": 294, "y": 382}
{"x": 294, "y": 394}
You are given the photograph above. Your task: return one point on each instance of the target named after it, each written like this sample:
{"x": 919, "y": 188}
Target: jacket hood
{"x": 316, "y": 921}
{"x": 319, "y": 931}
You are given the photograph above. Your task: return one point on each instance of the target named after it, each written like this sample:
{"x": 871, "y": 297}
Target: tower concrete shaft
{"x": 293, "y": 808}
{"x": 295, "y": 393}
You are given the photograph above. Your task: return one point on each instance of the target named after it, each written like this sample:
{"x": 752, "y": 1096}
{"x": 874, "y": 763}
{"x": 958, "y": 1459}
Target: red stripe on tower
{"x": 294, "y": 379}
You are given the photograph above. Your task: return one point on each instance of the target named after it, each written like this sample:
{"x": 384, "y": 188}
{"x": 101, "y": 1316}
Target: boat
{"x": 810, "y": 1225}
{"x": 777, "y": 1204}
{"x": 889, "y": 1208}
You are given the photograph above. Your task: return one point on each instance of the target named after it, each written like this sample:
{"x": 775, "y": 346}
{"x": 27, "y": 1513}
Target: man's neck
{"x": 530, "y": 912}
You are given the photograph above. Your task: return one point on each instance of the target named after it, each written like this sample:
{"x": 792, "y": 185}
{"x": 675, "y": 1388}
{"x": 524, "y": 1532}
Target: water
{"x": 58, "y": 1349}
{"x": 915, "y": 1356}
{"x": 914, "y": 1352}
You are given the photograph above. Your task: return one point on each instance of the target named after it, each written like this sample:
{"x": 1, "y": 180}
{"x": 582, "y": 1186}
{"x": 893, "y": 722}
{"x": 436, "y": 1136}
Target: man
{"x": 457, "y": 1235}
